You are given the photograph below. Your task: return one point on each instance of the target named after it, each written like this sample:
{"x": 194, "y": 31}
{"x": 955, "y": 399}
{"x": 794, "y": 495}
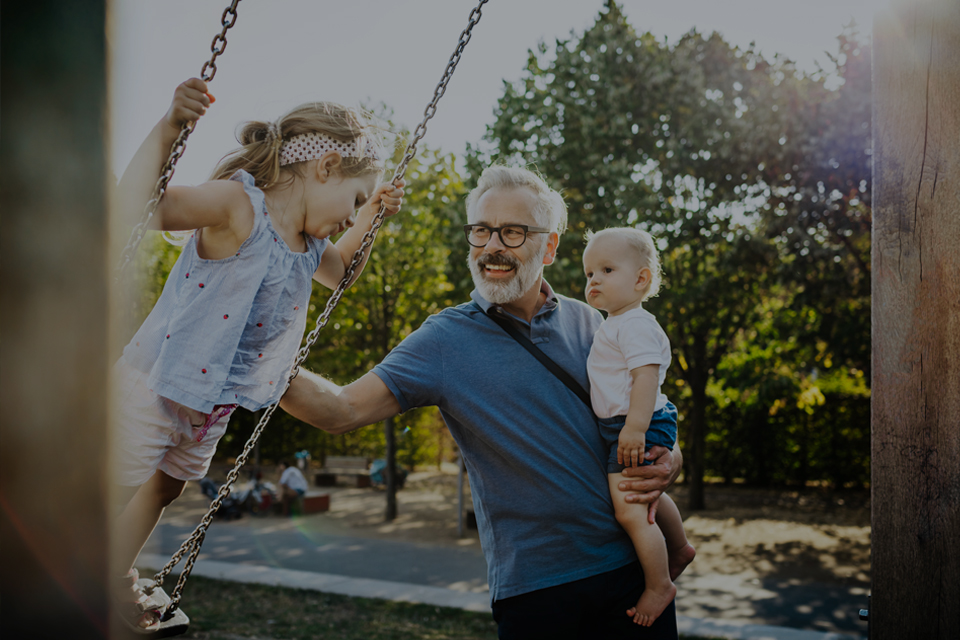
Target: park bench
{"x": 313, "y": 501}
{"x": 356, "y": 467}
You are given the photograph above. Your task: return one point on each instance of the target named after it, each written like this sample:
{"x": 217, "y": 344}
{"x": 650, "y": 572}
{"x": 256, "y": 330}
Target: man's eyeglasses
{"x": 511, "y": 235}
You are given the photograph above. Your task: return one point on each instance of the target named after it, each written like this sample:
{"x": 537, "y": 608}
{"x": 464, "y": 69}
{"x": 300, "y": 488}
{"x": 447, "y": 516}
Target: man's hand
{"x": 645, "y": 484}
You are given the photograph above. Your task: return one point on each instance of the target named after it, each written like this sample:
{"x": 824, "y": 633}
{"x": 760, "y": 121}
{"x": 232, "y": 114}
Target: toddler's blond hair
{"x": 643, "y": 246}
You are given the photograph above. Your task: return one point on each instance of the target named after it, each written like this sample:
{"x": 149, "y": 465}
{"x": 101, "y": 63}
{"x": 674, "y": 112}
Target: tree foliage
{"x": 690, "y": 142}
{"x": 818, "y": 210}
{"x": 754, "y": 178}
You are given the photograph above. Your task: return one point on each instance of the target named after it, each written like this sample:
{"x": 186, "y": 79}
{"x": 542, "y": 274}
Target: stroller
{"x": 231, "y": 508}
{"x": 254, "y": 497}
{"x": 378, "y": 474}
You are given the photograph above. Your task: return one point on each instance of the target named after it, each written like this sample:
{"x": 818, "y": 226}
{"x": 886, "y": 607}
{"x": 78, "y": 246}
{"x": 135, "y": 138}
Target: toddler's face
{"x": 616, "y": 281}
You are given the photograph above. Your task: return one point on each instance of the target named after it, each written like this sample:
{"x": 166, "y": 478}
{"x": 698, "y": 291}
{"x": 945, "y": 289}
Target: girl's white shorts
{"x": 155, "y": 433}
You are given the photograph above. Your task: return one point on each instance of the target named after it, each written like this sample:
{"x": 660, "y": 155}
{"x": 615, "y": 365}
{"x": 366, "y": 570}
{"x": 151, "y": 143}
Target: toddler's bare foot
{"x": 652, "y": 603}
{"x": 679, "y": 559}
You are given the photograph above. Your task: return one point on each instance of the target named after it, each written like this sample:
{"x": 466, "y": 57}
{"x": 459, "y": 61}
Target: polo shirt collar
{"x": 549, "y": 305}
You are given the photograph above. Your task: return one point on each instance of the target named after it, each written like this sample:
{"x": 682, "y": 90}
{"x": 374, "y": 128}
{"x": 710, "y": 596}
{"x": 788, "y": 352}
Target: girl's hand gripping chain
{"x": 390, "y": 195}
{"x": 190, "y": 101}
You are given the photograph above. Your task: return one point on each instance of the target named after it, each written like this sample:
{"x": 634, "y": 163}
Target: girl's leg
{"x": 141, "y": 515}
{"x": 647, "y": 539}
{"x": 680, "y": 552}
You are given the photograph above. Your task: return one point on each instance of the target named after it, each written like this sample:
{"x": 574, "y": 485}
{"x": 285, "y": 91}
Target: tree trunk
{"x": 915, "y": 412}
{"x": 698, "y": 438}
{"x": 386, "y": 311}
{"x": 391, "y": 469}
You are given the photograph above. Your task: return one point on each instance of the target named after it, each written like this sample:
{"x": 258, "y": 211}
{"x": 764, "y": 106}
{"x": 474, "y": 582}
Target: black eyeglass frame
{"x": 467, "y": 228}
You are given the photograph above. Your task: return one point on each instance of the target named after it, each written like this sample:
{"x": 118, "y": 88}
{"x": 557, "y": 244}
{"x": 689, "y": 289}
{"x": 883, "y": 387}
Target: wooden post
{"x": 53, "y": 297}
{"x": 916, "y": 322}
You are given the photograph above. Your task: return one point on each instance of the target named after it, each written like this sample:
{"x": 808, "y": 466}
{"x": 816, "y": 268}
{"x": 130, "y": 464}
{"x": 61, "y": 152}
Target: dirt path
{"x": 799, "y": 559}
{"x": 784, "y": 534}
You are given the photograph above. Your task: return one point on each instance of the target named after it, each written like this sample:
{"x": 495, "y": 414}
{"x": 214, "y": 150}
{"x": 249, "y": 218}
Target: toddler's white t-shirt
{"x": 623, "y": 343}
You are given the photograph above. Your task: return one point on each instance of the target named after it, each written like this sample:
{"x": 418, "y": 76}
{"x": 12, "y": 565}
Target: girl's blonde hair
{"x": 643, "y": 247}
{"x": 260, "y": 154}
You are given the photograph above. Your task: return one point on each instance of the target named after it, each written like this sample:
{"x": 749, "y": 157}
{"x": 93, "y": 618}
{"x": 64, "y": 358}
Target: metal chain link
{"x": 195, "y": 540}
{"x": 217, "y": 47}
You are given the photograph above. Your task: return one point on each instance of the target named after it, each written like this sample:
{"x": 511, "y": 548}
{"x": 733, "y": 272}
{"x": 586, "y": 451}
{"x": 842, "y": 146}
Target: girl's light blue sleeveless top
{"x": 227, "y": 331}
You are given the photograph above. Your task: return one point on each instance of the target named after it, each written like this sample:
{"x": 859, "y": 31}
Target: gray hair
{"x": 643, "y": 247}
{"x": 551, "y": 210}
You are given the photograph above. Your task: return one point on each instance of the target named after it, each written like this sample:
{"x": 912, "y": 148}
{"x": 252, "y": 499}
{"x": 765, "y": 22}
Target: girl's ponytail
{"x": 261, "y": 143}
{"x": 259, "y": 156}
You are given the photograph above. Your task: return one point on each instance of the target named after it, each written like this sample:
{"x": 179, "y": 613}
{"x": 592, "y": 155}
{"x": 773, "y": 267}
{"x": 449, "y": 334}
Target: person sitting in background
{"x": 292, "y": 485}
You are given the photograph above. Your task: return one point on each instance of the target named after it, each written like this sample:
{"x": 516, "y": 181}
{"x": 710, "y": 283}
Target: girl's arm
{"x": 219, "y": 206}
{"x": 337, "y": 257}
{"x": 190, "y": 101}
{"x": 643, "y": 399}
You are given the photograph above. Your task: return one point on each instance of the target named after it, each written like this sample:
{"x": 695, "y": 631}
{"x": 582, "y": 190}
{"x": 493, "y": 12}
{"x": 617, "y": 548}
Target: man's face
{"x": 501, "y": 274}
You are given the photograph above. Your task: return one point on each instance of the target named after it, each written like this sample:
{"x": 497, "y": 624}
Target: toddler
{"x": 627, "y": 364}
{"x": 227, "y": 326}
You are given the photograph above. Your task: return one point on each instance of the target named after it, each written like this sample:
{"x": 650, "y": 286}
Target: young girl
{"x": 627, "y": 364}
{"x": 227, "y": 326}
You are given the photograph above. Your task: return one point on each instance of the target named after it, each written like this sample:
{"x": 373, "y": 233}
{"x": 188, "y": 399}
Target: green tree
{"x": 819, "y": 206}
{"x": 403, "y": 283}
{"x": 636, "y": 132}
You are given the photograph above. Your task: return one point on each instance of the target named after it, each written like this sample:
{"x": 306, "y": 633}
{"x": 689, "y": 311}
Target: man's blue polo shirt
{"x": 536, "y": 460}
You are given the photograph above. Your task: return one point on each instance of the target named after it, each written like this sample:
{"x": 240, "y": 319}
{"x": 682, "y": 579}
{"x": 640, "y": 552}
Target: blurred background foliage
{"x": 755, "y": 180}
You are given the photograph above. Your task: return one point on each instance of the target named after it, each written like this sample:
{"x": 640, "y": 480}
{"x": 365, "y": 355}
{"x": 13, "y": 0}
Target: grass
{"x": 221, "y": 610}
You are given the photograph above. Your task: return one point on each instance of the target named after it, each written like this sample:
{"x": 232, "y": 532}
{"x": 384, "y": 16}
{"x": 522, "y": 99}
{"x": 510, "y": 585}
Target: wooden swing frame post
{"x": 54, "y": 546}
{"x": 916, "y": 322}
{"x": 53, "y": 514}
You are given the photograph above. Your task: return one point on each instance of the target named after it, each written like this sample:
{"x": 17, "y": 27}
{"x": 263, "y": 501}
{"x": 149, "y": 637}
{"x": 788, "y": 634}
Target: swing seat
{"x": 177, "y": 625}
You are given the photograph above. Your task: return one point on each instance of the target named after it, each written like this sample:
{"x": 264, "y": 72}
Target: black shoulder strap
{"x": 544, "y": 359}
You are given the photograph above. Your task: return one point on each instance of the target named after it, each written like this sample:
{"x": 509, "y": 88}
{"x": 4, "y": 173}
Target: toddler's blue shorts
{"x": 662, "y": 432}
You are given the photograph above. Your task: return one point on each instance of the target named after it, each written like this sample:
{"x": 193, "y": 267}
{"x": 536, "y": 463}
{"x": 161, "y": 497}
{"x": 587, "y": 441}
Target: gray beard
{"x": 525, "y": 275}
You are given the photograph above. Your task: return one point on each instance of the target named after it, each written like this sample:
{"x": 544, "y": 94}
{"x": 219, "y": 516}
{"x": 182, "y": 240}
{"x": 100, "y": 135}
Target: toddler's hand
{"x": 630, "y": 447}
{"x": 390, "y": 195}
{"x": 190, "y": 101}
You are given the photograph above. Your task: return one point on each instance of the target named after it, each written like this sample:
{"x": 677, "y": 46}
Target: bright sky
{"x": 285, "y": 52}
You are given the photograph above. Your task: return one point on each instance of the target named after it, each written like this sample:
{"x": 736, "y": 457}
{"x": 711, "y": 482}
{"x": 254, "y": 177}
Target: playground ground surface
{"x": 761, "y": 552}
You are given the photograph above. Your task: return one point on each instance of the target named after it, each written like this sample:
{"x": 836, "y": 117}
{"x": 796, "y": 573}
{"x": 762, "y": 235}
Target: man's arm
{"x": 324, "y": 405}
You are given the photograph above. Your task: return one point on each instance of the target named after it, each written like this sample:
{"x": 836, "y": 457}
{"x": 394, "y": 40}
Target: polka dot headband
{"x": 309, "y": 146}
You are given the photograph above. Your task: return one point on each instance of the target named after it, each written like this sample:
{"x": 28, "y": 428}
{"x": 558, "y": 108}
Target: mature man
{"x": 559, "y": 564}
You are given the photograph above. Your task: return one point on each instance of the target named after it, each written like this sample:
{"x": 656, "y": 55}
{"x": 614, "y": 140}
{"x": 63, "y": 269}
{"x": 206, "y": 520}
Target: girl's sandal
{"x": 138, "y": 610}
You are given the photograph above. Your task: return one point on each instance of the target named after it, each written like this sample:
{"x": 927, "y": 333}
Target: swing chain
{"x": 411, "y": 150}
{"x": 431, "y": 109}
{"x": 218, "y": 46}
{"x": 195, "y": 540}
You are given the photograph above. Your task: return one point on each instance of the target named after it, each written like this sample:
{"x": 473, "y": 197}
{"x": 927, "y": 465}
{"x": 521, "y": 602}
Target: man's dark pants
{"x": 594, "y": 608}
